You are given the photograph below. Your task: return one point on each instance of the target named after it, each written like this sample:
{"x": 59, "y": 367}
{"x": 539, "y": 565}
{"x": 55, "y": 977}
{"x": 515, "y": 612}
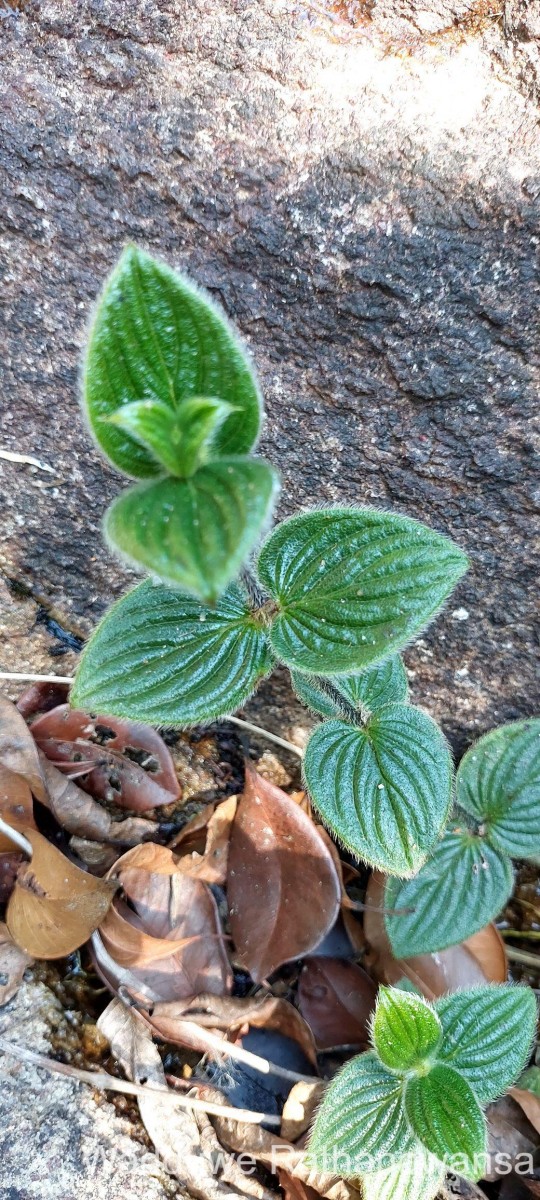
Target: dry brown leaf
{"x": 16, "y": 805}
{"x": 294, "y": 1189}
{"x": 67, "y": 724}
{"x": 81, "y": 815}
{"x": 13, "y": 964}
{"x": 299, "y": 1109}
{"x": 173, "y": 1131}
{"x": 283, "y": 885}
{"x": 112, "y": 777}
{"x": 337, "y": 999}
{"x": 169, "y": 938}
{"x": 54, "y": 906}
{"x": 529, "y": 1103}
{"x": 479, "y": 960}
{"x": 509, "y": 1132}
{"x": 233, "y": 1016}
{"x": 9, "y": 865}
{"x": 192, "y": 837}
{"x": 41, "y": 697}
{"x": 270, "y": 1150}
{"x": 18, "y": 751}
{"x": 211, "y": 864}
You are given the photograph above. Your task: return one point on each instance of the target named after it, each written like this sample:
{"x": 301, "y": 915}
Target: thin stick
{"x": 108, "y": 1083}
{"x": 231, "y": 1050}
{"x": 15, "y": 836}
{"x": 11, "y": 456}
{"x": 21, "y": 675}
{"x": 270, "y": 737}
{"x": 524, "y": 957}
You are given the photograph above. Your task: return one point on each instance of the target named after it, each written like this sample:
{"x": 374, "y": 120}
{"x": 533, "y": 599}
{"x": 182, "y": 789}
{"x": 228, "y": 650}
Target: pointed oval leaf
{"x": 462, "y": 887}
{"x": 383, "y": 790}
{"x": 444, "y": 1114}
{"x": 159, "y": 656}
{"x": 417, "y": 1176}
{"x": 361, "y": 1123}
{"x": 353, "y": 585}
{"x": 371, "y": 690}
{"x": 155, "y": 336}
{"x": 194, "y": 533}
{"x": 179, "y": 440}
{"x": 487, "y": 1035}
{"x": 406, "y": 1031}
{"x": 498, "y": 782}
{"x": 283, "y": 886}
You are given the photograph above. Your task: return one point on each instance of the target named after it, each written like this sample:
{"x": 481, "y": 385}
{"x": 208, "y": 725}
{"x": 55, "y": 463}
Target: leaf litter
{"x": 240, "y": 940}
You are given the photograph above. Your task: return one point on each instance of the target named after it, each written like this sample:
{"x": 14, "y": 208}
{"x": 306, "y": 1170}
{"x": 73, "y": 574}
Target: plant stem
{"x": 16, "y": 837}
{"x": 355, "y": 715}
{"x": 253, "y": 588}
{"x": 265, "y": 733}
{"x": 524, "y": 957}
{"x": 105, "y": 1082}
{"x": 214, "y": 1043}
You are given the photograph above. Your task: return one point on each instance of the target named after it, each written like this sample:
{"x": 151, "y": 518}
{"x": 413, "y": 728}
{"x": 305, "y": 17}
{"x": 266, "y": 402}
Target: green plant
{"x": 403, "y": 1113}
{"x": 334, "y": 594}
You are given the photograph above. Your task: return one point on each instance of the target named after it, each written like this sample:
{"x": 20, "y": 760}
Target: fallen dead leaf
{"x": 81, "y": 815}
{"x": 167, "y": 931}
{"x": 479, "y": 960}
{"x": 143, "y": 743}
{"x": 294, "y": 1189}
{"x": 299, "y": 1109}
{"x": 16, "y": 805}
{"x": 111, "y": 777}
{"x": 18, "y": 751}
{"x": 283, "y": 885}
{"x": 529, "y": 1103}
{"x": 54, "y": 906}
{"x": 9, "y": 865}
{"x": 337, "y": 999}
{"x": 233, "y": 1017}
{"x": 211, "y": 864}
{"x": 174, "y": 1132}
{"x": 41, "y": 697}
{"x": 510, "y": 1132}
{"x": 13, "y": 964}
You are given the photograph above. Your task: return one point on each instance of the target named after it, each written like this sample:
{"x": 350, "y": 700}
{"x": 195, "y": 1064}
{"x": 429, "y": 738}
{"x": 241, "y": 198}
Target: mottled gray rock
{"x": 58, "y": 1140}
{"x": 364, "y": 202}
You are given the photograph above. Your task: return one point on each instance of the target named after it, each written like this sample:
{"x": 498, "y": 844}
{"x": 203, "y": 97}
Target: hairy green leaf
{"x": 156, "y": 336}
{"x": 353, "y": 585}
{"x": 498, "y": 782}
{"x": 160, "y": 657}
{"x": 487, "y": 1035}
{"x": 361, "y": 1123}
{"x": 180, "y": 439}
{"x": 195, "y": 533}
{"x": 460, "y": 889}
{"x": 406, "y": 1031}
{"x": 367, "y": 691}
{"x": 444, "y": 1114}
{"x": 383, "y": 790}
{"x": 417, "y": 1176}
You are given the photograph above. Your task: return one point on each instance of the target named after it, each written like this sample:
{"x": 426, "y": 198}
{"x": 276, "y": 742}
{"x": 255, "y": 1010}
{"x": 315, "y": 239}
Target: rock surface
{"x": 58, "y": 1139}
{"x": 363, "y": 199}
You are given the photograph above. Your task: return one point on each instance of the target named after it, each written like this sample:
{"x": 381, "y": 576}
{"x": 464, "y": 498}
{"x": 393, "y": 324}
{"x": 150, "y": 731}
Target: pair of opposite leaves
{"x": 397, "y": 1114}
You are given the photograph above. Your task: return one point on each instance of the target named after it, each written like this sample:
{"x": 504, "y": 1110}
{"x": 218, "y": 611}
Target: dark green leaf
{"x": 461, "y": 888}
{"x": 160, "y": 657}
{"x": 417, "y": 1176}
{"x": 155, "y": 336}
{"x": 353, "y": 586}
{"x": 367, "y": 691}
{"x": 195, "y": 533}
{"x": 360, "y": 1124}
{"x": 383, "y": 790}
{"x": 406, "y": 1031}
{"x": 488, "y": 1033}
{"x": 444, "y": 1114}
{"x": 180, "y": 439}
{"x": 530, "y": 1081}
{"x": 498, "y": 782}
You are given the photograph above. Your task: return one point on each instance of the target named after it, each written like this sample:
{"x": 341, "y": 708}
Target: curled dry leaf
{"x": 18, "y": 751}
{"x": 67, "y": 724}
{"x": 111, "y": 776}
{"x": 299, "y": 1109}
{"x": 509, "y": 1133}
{"x": 54, "y": 906}
{"x": 168, "y": 934}
{"x": 283, "y": 885}
{"x": 81, "y": 815}
{"x": 16, "y": 805}
{"x": 479, "y": 960}
{"x": 211, "y": 864}
{"x": 40, "y": 697}
{"x": 337, "y": 999}
{"x": 174, "y": 1131}
{"x": 529, "y": 1102}
{"x": 13, "y": 963}
{"x": 270, "y": 1150}
{"x": 233, "y": 1017}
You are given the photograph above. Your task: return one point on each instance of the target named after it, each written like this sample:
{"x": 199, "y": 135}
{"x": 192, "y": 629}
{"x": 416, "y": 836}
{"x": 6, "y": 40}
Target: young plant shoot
{"x": 334, "y": 594}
